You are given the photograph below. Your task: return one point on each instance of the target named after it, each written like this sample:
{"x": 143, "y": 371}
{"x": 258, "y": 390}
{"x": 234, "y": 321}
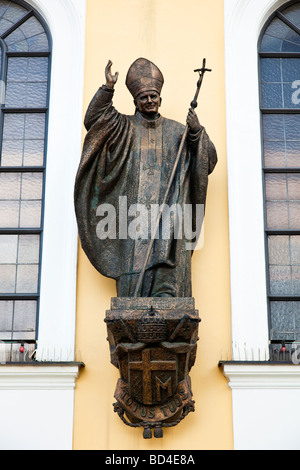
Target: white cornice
{"x": 262, "y": 376}
{"x": 38, "y": 377}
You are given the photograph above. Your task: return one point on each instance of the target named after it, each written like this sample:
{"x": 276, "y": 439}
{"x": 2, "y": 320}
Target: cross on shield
{"x": 152, "y": 376}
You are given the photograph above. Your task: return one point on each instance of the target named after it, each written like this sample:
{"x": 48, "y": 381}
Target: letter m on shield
{"x": 167, "y": 385}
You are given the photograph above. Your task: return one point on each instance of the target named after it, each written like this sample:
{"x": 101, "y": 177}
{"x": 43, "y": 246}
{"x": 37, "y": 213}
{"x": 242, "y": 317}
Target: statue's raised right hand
{"x": 111, "y": 79}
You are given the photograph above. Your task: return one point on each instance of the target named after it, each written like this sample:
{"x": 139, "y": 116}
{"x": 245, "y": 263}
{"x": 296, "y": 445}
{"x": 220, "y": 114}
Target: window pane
{"x": 22, "y": 153}
{"x": 293, "y": 181}
{"x": 291, "y": 95}
{"x": 280, "y": 38}
{"x": 27, "y": 279}
{"x": 17, "y": 69}
{"x": 274, "y": 35}
{"x": 32, "y": 186}
{"x": 283, "y": 187}
{"x": 15, "y": 95}
{"x": 293, "y": 154}
{"x": 3, "y": 7}
{"x": 30, "y": 215}
{"x": 36, "y": 95}
{"x": 26, "y": 95}
{"x": 7, "y": 278}
{"x": 281, "y": 140}
{"x": 285, "y": 320}
{"x": 38, "y": 43}
{"x": 292, "y": 123}
{"x": 29, "y": 188}
{"x": 296, "y": 279}
{"x": 12, "y": 153}
{"x": 280, "y": 83}
{"x": 292, "y": 13}
{"x": 29, "y": 37}
{"x": 23, "y": 140}
{"x": 271, "y": 70}
{"x": 25, "y": 317}
{"x": 9, "y": 214}
{"x": 19, "y": 248}
{"x": 280, "y": 280}
{"x": 276, "y": 186}
{"x": 33, "y": 152}
{"x": 27, "y": 82}
{"x": 293, "y": 37}
{"x": 4, "y": 25}
{"x": 28, "y": 249}
{"x": 290, "y": 69}
{"x": 24, "y": 250}
{"x": 284, "y": 264}
{"x": 19, "y": 316}
{"x": 288, "y": 46}
{"x": 274, "y": 154}
{"x": 23, "y": 69}
{"x": 270, "y": 44}
{"x": 295, "y": 249}
{"x": 8, "y": 249}
{"x": 10, "y": 186}
{"x": 6, "y": 316}
{"x": 10, "y": 13}
{"x": 34, "y": 126}
{"x": 14, "y": 126}
{"x": 38, "y": 69}
{"x": 31, "y": 27}
{"x": 278, "y": 29}
{"x": 277, "y": 215}
{"x": 273, "y": 127}
{"x": 279, "y": 249}
{"x": 14, "y": 12}
{"x": 294, "y": 215}
{"x": 272, "y": 95}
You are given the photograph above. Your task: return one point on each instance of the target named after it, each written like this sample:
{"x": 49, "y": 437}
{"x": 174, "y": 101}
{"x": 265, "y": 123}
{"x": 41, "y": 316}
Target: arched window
{"x": 25, "y": 65}
{"x": 280, "y": 107}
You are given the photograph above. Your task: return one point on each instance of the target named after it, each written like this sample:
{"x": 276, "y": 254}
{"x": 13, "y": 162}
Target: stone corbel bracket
{"x": 153, "y": 343}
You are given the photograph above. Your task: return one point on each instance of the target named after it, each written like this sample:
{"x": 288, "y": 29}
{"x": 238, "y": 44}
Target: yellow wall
{"x": 176, "y": 35}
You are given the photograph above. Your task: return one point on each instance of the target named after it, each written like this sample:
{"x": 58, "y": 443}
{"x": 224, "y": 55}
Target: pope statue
{"x": 126, "y": 164}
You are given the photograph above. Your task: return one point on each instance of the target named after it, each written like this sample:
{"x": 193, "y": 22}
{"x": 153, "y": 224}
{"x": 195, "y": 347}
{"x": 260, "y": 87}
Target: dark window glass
{"x": 24, "y": 75}
{"x": 280, "y": 108}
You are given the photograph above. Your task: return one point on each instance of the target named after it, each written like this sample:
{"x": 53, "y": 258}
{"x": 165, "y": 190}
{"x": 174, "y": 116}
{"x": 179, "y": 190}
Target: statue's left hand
{"x": 193, "y": 121}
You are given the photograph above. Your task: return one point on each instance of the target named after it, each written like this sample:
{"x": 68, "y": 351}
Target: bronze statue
{"x": 133, "y": 170}
{"x": 129, "y": 159}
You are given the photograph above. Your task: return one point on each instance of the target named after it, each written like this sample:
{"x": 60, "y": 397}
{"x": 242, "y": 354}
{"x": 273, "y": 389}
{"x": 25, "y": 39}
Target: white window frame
{"x": 244, "y": 20}
{"x": 56, "y": 328}
{"x": 46, "y": 422}
{"x": 37, "y": 406}
{"x": 264, "y": 405}
{"x": 263, "y": 393}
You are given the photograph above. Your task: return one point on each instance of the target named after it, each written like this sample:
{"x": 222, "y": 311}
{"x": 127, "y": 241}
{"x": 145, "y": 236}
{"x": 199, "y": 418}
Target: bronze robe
{"x": 132, "y": 157}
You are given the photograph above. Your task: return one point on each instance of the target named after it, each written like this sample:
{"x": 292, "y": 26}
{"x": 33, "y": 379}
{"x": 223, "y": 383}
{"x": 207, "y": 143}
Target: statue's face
{"x": 148, "y": 102}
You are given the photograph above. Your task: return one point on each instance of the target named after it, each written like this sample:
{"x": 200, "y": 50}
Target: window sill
{"x": 39, "y": 375}
{"x": 261, "y": 375}
{"x": 264, "y": 404}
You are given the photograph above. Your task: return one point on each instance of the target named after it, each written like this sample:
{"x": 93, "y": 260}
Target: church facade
{"x": 55, "y": 371}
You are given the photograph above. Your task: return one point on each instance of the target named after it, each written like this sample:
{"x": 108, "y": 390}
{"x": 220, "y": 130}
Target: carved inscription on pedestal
{"x": 153, "y": 343}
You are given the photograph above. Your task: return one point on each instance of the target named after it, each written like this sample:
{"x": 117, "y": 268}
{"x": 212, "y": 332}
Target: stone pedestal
{"x": 153, "y": 343}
